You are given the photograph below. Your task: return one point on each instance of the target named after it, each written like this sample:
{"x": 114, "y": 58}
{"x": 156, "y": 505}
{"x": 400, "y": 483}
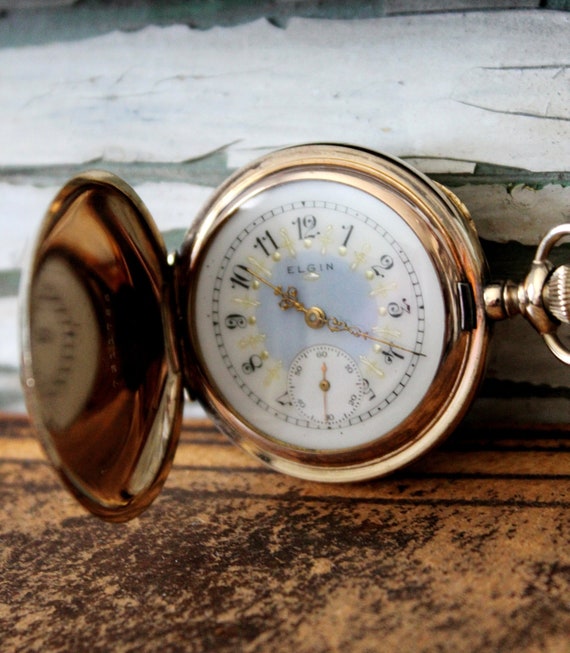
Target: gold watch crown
{"x": 556, "y": 294}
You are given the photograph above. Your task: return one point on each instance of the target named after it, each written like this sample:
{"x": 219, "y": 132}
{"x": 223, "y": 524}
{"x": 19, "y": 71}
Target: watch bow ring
{"x": 329, "y": 308}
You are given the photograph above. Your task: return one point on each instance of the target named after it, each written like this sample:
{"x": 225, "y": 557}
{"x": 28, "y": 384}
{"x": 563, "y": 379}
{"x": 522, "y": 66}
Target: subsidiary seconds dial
{"x": 325, "y": 385}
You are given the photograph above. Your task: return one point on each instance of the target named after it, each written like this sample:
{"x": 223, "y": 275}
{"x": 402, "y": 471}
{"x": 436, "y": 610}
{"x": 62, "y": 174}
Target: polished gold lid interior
{"x": 99, "y": 368}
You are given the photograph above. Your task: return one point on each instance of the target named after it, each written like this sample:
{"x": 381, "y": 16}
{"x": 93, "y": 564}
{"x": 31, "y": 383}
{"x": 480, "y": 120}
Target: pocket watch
{"x": 329, "y": 308}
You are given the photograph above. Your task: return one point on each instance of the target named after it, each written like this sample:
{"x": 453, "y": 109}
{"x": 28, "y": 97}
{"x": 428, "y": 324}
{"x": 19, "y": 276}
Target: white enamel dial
{"x": 311, "y": 266}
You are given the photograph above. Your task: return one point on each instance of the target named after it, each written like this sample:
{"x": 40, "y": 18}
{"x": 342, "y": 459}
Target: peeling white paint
{"x": 475, "y": 86}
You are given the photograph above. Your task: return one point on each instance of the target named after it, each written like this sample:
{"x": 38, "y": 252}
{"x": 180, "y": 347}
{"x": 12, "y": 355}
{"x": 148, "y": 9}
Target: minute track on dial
{"x": 316, "y": 317}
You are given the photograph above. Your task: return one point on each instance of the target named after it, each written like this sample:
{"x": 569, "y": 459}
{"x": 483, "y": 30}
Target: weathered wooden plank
{"x": 175, "y": 110}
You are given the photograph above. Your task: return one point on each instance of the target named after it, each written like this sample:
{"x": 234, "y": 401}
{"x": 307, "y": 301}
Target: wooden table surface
{"x": 469, "y": 550}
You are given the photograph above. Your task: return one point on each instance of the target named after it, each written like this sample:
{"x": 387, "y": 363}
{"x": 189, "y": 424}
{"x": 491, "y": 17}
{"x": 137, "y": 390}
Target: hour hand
{"x": 315, "y": 317}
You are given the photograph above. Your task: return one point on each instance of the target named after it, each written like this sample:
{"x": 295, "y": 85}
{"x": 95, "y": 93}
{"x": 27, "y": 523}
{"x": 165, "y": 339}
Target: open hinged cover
{"x": 100, "y": 368}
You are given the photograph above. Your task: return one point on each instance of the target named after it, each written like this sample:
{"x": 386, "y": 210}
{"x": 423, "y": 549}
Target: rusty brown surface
{"x": 469, "y": 550}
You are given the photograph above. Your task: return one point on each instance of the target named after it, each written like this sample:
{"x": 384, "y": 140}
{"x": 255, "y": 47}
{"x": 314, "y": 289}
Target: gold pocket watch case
{"x": 100, "y": 373}
{"x": 328, "y": 308}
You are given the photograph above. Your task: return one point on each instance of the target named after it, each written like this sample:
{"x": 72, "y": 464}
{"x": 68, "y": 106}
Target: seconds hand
{"x": 316, "y": 318}
{"x": 325, "y": 386}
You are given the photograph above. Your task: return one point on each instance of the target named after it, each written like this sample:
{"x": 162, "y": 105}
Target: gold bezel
{"x": 447, "y": 232}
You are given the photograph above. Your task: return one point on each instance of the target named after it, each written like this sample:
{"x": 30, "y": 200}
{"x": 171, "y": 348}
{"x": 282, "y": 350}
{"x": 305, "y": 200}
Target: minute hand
{"x": 316, "y": 318}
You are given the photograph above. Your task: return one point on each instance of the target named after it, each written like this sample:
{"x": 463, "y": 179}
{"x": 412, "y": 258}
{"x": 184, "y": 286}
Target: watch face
{"x": 324, "y": 323}
{"x": 321, "y": 317}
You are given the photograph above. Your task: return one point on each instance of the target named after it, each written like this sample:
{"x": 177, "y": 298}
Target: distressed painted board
{"x": 479, "y": 100}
